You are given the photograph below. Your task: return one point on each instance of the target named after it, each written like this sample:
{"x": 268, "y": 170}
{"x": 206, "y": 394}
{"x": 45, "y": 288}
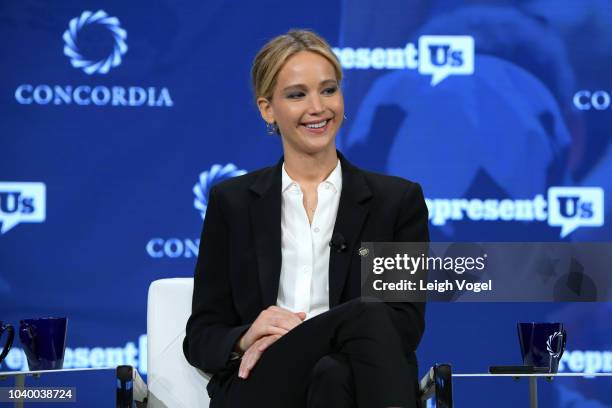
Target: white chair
{"x": 171, "y": 380}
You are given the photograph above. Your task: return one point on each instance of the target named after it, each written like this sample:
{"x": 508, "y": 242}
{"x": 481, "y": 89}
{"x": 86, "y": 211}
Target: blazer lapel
{"x": 352, "y": 213}
{"x": 266, "y": 221}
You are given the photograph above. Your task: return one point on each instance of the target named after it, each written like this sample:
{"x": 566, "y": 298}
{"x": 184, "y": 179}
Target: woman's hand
{"x": 253, "y": 354}
{"x": 272, "y": 321}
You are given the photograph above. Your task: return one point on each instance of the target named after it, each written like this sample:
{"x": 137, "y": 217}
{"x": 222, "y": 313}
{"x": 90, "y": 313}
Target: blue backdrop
{"x": 116, "y": 118}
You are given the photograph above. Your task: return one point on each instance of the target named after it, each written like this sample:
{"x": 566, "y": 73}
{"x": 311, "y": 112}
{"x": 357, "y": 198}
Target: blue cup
{"x": 10, "y": 334}
{"x": 542, "y": 344}
{"x": 44, "y": 342}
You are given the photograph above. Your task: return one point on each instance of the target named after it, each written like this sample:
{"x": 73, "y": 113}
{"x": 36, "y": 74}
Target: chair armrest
{"x": 437, "y": 383}
{"x": 131, "y": 389}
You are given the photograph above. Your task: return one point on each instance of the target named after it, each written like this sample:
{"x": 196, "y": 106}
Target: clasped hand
{"x": 271, "y": 324}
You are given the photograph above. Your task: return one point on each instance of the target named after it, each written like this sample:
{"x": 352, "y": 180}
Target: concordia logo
{"x": 598, "y": 100}
{"x": 566, "y": 207}
{"x": 71, "y": 48}
{"x": 188, "y": 247}
{"x": 216, "y": 174}
{"x": 437, "y": 55}
{"x": 21, "y": 202}
{"x": 100, "y": 95}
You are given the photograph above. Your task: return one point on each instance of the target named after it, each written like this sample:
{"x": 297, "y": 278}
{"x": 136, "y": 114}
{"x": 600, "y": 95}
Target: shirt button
{"x": 305, "y": 269}
{"x": 316, "y": 229}
{"x": 327, "y": 186}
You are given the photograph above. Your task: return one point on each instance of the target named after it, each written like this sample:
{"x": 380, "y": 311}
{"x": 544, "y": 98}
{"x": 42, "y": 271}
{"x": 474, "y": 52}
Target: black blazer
{"x": 238, "y": 268}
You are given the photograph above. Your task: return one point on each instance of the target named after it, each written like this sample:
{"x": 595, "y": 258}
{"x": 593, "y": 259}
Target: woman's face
{"x": 306, "y": 104}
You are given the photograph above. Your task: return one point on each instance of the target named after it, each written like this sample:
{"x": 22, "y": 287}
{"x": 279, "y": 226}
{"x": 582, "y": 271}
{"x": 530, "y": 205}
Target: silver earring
{"x": 345, "y": 118}
{"x": 271, "y": 128}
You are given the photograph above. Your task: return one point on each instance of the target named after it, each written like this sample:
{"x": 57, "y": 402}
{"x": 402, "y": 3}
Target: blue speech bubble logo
{"x": 574, "y": 207}
{"x": 21, "y": 202}
{"x": 443, "y": 55}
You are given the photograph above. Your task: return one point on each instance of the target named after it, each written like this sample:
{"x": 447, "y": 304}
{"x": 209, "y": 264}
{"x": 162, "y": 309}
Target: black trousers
{"x": 349, "y": 356}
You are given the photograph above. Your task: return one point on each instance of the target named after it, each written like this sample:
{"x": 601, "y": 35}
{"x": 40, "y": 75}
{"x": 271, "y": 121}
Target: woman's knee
{"x": 331, "y": 383}
{"x": 331, "y": 375}
{"x": 371, "y": 311}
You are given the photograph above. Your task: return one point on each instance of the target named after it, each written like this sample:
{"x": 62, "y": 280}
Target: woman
{"x": 276, "y": 312}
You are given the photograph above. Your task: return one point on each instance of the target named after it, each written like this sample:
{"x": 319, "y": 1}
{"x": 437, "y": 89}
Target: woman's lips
{"x": 318, "y": 130}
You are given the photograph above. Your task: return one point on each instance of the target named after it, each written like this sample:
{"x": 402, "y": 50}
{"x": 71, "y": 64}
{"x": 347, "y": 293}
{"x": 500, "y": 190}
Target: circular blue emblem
{"x": 206, "y": 180}
{"x": 71, "y": 49}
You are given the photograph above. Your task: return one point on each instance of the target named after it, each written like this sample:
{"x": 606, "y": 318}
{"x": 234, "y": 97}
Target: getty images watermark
{"x": 486, "y": 271}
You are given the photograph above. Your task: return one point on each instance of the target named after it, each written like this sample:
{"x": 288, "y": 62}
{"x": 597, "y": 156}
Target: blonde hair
{"x": 272, "y": 57}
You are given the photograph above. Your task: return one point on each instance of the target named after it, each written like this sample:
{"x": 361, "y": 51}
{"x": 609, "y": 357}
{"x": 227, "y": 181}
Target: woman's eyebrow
{"x": 329, "y": 81}
{"x": 302, "y": 86}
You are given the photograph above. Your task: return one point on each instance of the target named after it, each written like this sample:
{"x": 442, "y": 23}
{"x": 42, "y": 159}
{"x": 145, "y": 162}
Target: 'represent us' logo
{"x": 71, "y": 40}
{"x": 444, "y": 55}
{"x": 574, "y": 207}
{"x": 21, "y": 202}
{"x": 437, "y": 55}
{"x": 567, "y": 207}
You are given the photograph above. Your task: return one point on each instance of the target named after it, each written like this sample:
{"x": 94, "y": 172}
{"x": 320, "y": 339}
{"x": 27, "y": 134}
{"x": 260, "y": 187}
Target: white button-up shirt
{"x": 304, "y": 278}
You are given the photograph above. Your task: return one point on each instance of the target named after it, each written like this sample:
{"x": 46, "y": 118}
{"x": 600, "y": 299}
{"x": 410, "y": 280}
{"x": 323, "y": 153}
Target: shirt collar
{"x": 334, "y": 179}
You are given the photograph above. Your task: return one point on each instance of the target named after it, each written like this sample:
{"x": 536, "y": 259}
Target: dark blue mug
{"x": 542, "y": 344}
{"x": 10, "y": 334}
{"x": 44, "y": 342}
